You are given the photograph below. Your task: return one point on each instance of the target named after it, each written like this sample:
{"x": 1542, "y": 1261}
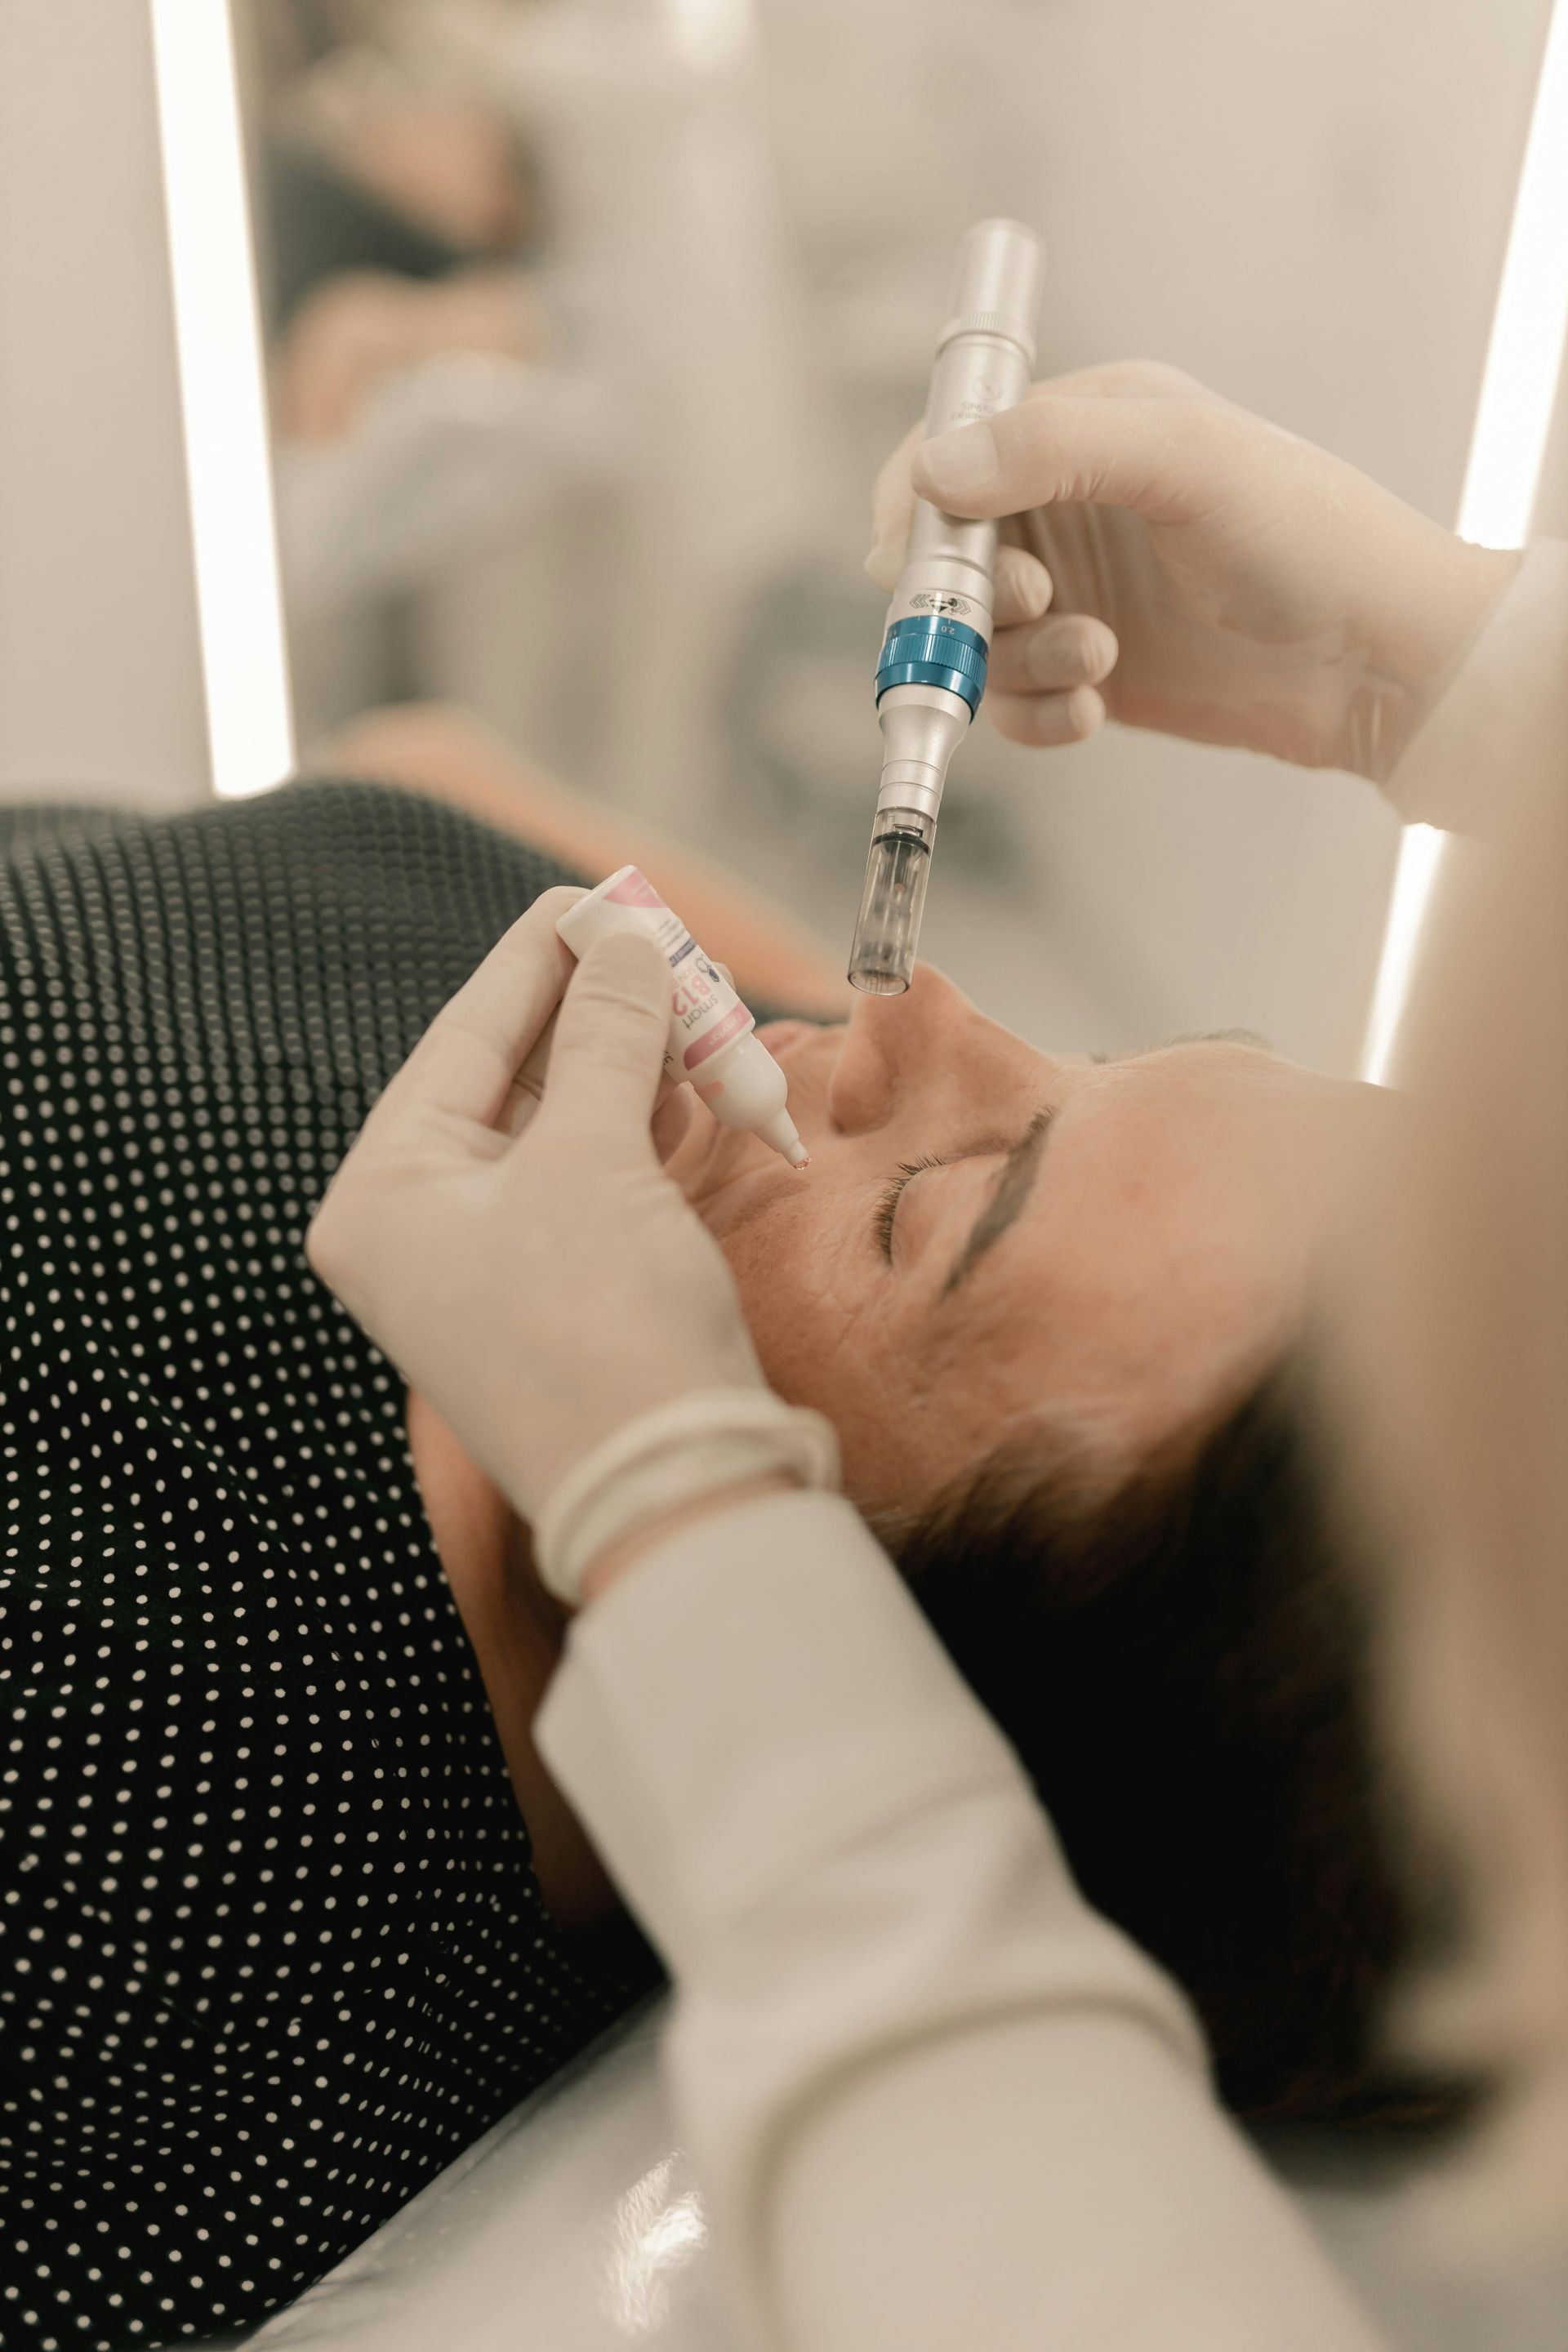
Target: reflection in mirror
{"x": 590, "y": 323}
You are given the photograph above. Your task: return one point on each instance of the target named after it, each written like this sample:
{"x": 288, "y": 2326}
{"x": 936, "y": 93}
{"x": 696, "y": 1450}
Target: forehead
{"x": 1177, "y": 1188}
{"x": 1200, "y": 1124}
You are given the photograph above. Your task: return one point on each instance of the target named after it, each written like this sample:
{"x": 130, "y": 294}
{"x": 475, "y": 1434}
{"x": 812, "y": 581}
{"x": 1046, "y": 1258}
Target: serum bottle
{"x": 712, "y": 1039}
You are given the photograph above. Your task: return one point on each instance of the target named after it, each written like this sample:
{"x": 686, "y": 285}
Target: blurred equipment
{"x": 931, "y": 673}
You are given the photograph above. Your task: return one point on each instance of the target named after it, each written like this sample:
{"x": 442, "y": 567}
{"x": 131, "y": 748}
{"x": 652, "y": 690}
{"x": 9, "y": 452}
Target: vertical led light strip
{"x": 1414, "y": 880}
{"x": 711, "y": 33}
{"x": 228, "y": 455}
{"x": 1513, "y": 420}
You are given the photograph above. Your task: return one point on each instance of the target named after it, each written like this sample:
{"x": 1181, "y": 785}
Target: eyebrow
{"x": 1014, "y": 1181}
{"x": 1193, "y": 1038}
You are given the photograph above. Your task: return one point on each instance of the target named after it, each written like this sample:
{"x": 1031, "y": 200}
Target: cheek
{"x": 804, "y": 1305}
{"x": 825, "y": 1330}
{"x": 830, "y": 1335}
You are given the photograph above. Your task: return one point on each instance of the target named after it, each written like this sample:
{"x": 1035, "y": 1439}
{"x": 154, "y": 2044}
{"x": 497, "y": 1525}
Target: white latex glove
{"x": 540, "y": 1288}
{"x": 1208, "y": 574}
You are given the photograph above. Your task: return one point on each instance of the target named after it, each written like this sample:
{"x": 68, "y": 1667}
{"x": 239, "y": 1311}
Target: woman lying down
{"x": 277, "y": 1943}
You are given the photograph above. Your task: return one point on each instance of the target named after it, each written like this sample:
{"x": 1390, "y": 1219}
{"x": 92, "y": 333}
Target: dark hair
{"x": 1183, "y": 1671}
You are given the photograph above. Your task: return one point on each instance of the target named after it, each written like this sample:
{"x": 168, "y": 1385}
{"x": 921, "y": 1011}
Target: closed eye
{"x": 1020, "y": 1161}
{"x": 887, "y": 1206}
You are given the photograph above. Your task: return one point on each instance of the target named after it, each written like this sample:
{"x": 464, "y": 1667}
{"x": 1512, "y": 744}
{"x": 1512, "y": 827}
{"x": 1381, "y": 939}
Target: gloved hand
{"x": 541, "y": 1288}
{"x": 1207, "y": 573}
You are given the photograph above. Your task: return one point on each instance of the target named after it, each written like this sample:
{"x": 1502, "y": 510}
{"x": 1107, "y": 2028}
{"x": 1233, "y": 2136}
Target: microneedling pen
{"x": 931, "y": 673}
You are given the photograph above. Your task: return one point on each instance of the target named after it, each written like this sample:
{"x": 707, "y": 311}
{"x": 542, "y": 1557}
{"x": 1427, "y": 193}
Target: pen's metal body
{"x": 932, "y": 672}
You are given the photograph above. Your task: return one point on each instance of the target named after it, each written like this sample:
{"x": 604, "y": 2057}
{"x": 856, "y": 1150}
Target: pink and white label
{"x": 634, "y": 889}
{"x": 723, "y": 1032}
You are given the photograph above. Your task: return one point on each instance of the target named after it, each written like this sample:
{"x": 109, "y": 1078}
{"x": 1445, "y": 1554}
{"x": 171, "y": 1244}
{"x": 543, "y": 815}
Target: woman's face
{"x": 989, "y": 1235}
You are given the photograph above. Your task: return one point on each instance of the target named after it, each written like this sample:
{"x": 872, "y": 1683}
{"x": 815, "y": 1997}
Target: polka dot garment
{"x": 270, "y": 1951}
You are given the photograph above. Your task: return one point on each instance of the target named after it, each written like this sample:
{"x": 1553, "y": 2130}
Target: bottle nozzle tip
{"x": 779, "y": 1132}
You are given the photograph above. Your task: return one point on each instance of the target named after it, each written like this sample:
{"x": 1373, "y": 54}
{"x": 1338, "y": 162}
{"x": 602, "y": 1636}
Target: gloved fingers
{"x": 1021, "y": 587}
{"x": 1067, "y": 649}
{"x": 516, "y": 1112}
{"x": 892, "y": 511}
{"x": 608, "y": 1056}
{"x": 1126, "y": 380}
{"x": 1047, "y": 720}
{"x": 526, "y": 1092}
{"x": 672, "y": 1119}
{"x": 464, "y": 1065}
{"x": 1021, "y": 584}
{"x": 1157, "y": 457}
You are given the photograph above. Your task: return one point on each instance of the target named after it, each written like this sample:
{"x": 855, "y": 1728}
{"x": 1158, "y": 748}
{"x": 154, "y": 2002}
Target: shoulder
{"x": 313, "y": 852}
{"x": 361, "y": 843}
{"x": 320, "y": 920}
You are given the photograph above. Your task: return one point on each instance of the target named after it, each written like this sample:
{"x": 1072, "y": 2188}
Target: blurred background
{"x": 587, "y": 324}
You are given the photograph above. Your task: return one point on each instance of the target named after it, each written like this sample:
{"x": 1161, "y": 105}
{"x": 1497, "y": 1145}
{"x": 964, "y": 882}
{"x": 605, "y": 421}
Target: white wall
{"x": 100, "y": 673}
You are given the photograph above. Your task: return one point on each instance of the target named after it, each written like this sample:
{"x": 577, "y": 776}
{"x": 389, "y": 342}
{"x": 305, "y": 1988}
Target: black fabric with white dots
{"x": 270, "y": 1950}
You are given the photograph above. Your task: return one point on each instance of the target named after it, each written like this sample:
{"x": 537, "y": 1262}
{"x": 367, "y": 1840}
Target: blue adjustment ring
{"x": 925, "y": 650}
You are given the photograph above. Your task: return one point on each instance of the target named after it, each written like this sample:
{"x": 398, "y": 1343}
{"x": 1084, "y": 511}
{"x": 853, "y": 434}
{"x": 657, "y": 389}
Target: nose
{"x": 896, "y": 1043}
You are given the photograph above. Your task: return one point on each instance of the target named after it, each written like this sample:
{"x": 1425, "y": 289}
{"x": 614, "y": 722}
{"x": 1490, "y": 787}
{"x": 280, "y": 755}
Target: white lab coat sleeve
{"x": 938, "y": 2103}
{"x": 1503, "y": 722}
